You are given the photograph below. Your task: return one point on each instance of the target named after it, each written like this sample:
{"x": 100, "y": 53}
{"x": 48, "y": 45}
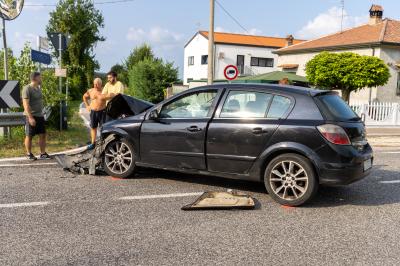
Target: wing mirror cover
{"x": 153, "y": 115}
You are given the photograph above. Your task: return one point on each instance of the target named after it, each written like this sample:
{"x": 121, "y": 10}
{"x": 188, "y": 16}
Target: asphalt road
{"x": 49, "y": 217}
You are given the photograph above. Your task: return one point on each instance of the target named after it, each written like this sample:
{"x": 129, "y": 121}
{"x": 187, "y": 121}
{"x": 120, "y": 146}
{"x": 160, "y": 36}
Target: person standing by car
{"x": 96, "y": 107}
{"x": 32, "y": 100}
{"x": 113, "y": 86}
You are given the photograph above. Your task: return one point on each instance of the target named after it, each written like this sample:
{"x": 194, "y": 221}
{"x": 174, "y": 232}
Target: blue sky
{"x": 168, "y": 25}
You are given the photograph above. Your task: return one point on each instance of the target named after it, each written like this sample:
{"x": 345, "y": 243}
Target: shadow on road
{"x": 377, "y": 189}
{"x": 368, "y": 192}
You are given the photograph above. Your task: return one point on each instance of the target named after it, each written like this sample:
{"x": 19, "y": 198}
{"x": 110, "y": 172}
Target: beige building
{"x": 379, "y": 37}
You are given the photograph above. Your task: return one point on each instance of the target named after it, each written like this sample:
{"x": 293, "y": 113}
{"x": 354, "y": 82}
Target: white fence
{"x": 378, "y": 114}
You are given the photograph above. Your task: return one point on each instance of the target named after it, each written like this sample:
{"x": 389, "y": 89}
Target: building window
{"x": 262, "y": 62}
{"x": 204, "y": 59}
{"x": 190, "y": 60}
{"x": 240, "y": 64}
{"x": 398, "y": 84}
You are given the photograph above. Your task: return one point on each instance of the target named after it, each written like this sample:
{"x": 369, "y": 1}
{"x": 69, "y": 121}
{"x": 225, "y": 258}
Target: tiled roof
{"x": 251, "y": 40}
{"x": 387, "y": 31}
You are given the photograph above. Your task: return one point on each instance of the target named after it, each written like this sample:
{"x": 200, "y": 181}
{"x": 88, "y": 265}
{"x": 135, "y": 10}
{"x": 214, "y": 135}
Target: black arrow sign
{"x": 9, "y": 94}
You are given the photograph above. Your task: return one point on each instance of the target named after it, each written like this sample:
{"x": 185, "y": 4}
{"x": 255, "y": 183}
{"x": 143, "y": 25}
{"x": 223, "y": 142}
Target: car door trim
{"x": 231, "y": 157}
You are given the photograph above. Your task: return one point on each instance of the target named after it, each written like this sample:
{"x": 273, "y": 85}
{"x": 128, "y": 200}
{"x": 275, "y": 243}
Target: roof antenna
{"x": 341, "y": 19}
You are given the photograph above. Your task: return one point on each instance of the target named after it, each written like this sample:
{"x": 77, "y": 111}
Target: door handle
{"x": 193, "y": 129}
{"x": 259, "y": 130}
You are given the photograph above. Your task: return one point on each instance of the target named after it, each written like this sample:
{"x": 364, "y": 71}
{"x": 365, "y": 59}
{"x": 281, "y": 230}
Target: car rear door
{"x": 243, "y": 124}
{"x": 176, "y": 139}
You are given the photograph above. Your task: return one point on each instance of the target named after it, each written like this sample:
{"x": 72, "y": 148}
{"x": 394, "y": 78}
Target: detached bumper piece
{"x": 84, "y": 162}
{"x": 221, "y": 201}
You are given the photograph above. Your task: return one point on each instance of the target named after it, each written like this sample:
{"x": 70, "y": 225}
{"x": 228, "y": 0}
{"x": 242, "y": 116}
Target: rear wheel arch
{"x": 273, "y": 154}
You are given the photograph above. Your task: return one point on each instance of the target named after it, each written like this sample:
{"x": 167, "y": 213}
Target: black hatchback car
{"x": 290, "y": 138}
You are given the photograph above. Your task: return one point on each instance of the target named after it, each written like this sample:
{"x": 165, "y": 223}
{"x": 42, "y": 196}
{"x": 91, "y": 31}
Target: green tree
{"x": 82, "y": 21}
{"x": 138, "y": 54}
{"x": 150, "y": 77}
{"x": 346, "y": 72}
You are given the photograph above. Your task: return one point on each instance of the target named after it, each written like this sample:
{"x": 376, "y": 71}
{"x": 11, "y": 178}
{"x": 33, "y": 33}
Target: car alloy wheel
{"x": 288, "y": 180}
{"x": 118, "y": 157}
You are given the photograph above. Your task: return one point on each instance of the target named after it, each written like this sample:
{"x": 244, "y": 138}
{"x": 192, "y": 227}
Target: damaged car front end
{"x": 121, "y": 110}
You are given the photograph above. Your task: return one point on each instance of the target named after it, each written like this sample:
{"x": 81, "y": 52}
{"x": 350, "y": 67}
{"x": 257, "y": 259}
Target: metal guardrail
{"x": 12, "y": 119}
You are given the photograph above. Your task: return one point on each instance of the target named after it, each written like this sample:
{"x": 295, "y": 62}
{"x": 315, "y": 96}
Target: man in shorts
{"x": 96, "y": 107}
{"x": 32, "y": 100}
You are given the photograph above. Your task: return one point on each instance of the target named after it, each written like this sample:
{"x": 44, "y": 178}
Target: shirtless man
{"x": 96, "y": 108}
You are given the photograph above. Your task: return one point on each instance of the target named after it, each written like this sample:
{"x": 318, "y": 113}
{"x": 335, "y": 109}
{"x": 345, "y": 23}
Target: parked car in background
{"x": 292, "y": 139}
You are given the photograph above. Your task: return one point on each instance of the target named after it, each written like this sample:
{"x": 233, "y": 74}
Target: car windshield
{"x": 334, "y": 108}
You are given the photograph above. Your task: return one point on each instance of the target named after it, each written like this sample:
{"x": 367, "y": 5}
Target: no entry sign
{"x": 231, "y": 72}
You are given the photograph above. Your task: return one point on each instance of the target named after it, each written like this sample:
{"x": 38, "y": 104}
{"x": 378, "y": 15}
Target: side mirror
{"x": 153, "y": 115}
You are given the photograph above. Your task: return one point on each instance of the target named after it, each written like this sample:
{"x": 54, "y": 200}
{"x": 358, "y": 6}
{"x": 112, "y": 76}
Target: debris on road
{"x": 221, "y": 201}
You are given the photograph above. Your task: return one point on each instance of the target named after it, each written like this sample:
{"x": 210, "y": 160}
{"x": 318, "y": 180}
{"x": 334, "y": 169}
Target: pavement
{"x": 383, "y": 131}
{"x": 51, "y": 217}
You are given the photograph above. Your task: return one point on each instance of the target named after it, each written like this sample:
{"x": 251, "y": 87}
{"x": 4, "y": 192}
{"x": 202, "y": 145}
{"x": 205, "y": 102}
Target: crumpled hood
{"x": 124, "y": 105}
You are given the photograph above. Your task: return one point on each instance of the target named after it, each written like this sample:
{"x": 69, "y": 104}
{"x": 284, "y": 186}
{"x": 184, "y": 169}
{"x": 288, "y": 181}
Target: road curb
{"x": 76, "y": 150}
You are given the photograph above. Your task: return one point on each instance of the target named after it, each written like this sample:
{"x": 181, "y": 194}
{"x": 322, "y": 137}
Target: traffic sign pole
{"x": 39, "y": 49}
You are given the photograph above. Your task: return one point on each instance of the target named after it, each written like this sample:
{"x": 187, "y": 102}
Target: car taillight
{"x": 334, "y": 134}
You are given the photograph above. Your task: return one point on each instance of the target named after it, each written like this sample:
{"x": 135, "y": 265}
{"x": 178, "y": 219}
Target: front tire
{"x": 290, "y": 179}
{"x": 119, "y": 158}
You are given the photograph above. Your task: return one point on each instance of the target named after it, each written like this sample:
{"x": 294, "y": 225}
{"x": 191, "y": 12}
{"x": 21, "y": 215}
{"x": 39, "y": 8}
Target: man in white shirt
{"x": 113, "y": 86}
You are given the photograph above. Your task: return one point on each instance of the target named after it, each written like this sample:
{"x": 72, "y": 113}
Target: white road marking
{"x": 160, "y": 196}
{"x": 390, "y": 182}
{"x": 389, "y": 152}
{"x": 24, "y": 204}
{"x": 26, "y": 164}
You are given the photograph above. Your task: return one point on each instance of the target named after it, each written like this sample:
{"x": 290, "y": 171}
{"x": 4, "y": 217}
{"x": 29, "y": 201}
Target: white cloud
{"x": 252, "y": 31}
{"x": 19, "y": 39}
{"x": 155, "y": 36}
{"x": 329, "y": 22}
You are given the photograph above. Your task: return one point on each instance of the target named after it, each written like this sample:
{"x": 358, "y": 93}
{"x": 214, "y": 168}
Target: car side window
{"x": 245, "y": 104}
{"x": 279, "y": 106}
{"x": 196, "y": 105}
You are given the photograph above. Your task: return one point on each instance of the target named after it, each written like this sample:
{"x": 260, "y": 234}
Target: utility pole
{"x": 5, "y": 129}
{"x": 60, "y": 78}
{"x": 210, "y": 59}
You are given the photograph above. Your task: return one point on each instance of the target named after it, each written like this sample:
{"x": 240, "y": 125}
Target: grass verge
{"x": 77, "y": 135}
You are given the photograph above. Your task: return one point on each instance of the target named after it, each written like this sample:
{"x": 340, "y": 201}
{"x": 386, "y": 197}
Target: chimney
{"x": 375, "y": 14}
{"x": 289, "y": 40}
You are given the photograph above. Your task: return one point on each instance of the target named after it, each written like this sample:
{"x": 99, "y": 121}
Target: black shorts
{"x": 39, "y": 128}
{"x": 97, "y": 118}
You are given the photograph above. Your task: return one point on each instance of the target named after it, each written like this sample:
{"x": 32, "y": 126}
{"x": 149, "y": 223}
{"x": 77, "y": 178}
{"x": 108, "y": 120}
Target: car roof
{"x": 279, "y": 88}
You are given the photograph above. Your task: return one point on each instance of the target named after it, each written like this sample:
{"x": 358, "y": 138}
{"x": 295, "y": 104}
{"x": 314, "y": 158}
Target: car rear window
{"x": 334, "y": 108}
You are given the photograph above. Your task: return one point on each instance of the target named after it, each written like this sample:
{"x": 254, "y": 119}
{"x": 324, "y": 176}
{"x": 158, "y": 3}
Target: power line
{"x": 237, "y": 22}
{"x": 96, "y": 3}
{"x": 232, "y": 17}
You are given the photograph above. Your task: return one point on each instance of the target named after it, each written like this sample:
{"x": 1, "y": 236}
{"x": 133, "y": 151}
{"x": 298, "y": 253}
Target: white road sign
{"x": 43, "y": 43}
{"x": 9, "y": 94}
{"x": 61, "y": 72}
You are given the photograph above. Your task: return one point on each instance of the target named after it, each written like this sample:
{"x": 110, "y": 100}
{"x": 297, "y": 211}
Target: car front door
{"x": 176, "y": 137}
{"x": 241, "y": 128}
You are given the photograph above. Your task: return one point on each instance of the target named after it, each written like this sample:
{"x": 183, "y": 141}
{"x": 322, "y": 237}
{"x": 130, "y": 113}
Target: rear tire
{"x": 119, "y": 158}
{"x": 290, "y": 179}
